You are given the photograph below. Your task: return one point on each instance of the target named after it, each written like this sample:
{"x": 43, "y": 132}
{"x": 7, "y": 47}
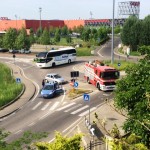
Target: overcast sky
{"x": 64, "y": 9}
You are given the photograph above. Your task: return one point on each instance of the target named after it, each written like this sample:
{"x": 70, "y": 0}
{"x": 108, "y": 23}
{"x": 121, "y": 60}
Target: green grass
{"x": 9, "y": 89}
{"x": 84, "y": 51}
{"x": 124, "y": 64}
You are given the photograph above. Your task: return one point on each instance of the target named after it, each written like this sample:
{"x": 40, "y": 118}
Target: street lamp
{"x": 112, "y": 46}
{"x": 40, "y": 10}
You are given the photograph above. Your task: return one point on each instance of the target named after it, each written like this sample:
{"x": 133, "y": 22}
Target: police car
{"x": 50, "y": 90}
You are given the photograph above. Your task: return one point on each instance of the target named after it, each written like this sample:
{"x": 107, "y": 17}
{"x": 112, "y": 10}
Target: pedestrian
{"x": 43, "y": 82}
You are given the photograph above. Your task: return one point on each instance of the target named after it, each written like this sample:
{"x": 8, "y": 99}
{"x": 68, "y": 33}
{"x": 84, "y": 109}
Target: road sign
{"x": 119, "y": 64}
{"x": 18, "y": 80}
{"x": 76, "y": 84}
{"x": 86, "y": 97}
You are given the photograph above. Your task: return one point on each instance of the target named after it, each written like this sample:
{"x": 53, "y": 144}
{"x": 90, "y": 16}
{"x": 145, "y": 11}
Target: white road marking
{"x": 78, "y": 110}
{"x": 54, "y": 106}
{"x": 18, "y": 132}
{"x": 86, "y": 112}
{"x": 46, "y": 106}
{"x": 44, "y": 116}
{"x": 66, "y": 106}
{"x": 76, "y": 106}
{"x": 31, "y": 124}
{"x": 37, "y": 105}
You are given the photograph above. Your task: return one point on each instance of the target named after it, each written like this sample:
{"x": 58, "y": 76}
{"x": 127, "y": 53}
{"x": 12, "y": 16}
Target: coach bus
{"x": 56, "y": 57}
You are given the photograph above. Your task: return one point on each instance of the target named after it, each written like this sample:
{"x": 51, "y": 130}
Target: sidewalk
{"x": 25, "y": 96}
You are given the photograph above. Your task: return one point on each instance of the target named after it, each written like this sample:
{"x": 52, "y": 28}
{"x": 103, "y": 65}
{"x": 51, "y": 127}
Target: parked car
{"x": 24, "y": 51}
{"x": 55, "y": 77}
{"x": 50, "y": 90}
{"x": 4, "y": 50}
{"x": 13, "y": 51}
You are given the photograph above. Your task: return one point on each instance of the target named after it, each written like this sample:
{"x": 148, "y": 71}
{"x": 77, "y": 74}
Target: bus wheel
{"x": 88, "y": 80}
{"x": 98, "y": 86}
{"x": 69, "y": 61}
{"x": 53, "y": 65}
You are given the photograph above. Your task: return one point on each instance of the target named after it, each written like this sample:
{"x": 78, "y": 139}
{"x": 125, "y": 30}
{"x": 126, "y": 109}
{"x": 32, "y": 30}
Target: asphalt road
{"x": 56, "y": 114}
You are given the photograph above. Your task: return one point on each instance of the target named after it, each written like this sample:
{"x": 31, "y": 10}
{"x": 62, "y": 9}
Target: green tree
{"x": 145, "y": 34}
{"x": 22, "y": 41}
{"x": 133, "y": 96}
{"x": 68, "y": 39}
{"x": 117, "y": 29}
{"x": 31, "y": 36}
{"x": 10, "y": 38}
{"x": 57, "y": 35}
{"x": 64, "y": 31}
{"x": 61, "y": 143}
{"x": 45, "y": 37}
{"x": 129, "y": 31}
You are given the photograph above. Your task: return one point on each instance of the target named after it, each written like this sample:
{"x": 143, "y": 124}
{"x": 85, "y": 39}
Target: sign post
{"x": 86, "y": 98}
{"x": 14, "y": 56}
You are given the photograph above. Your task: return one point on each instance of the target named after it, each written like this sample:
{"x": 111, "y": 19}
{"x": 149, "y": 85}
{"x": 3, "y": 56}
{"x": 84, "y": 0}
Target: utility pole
{"x": 40, "y": 10}
{"x": 112, "y": 47}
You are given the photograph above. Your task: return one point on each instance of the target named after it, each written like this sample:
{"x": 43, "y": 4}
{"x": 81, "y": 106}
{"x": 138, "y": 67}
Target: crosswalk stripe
{"x": 54, "y": 106}
{"x": 46, "y": 106}
{"x": 78, "y": 110}
{"x": 86, "y": 112}
{"x": 37, "y": 105}
{"x": 66, "y": 106}
{"x": 76, "y": 106}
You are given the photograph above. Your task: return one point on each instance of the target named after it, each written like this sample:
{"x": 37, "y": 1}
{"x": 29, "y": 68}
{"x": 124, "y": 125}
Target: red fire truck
{"x": 103, "y": 77}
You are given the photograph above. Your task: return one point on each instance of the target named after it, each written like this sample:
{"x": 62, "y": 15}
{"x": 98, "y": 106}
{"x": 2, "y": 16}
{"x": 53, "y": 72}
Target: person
{"x": 43, "y": 82}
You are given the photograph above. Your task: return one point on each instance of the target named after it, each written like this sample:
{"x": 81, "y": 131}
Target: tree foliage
{"x": 45, "y": 37}
{"x": 61, "y": 143}
{"x": 133, "y": 96}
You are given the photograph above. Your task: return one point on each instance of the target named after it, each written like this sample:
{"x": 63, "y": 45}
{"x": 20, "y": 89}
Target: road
{"x": 56, "y": 114}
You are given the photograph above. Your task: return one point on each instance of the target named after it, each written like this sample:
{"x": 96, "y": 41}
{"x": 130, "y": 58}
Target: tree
{"x": 61, "y": 143}
{"x": 22, "y": 41}
{"x": 45, "y": 37}
{"x": 31, "y": 36}
{"x": 127, "y": 34}
{"x": 133, "y": 96}
{"x": 64, "y": 31}
{"x": 57, "y": 35}
{"x": 10, "y": 39}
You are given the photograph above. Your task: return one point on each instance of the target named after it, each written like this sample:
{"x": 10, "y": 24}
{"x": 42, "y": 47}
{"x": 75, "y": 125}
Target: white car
{"x": 54, "y": 77}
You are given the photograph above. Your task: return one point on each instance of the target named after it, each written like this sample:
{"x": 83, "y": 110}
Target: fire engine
{"x": 103, "y": 77}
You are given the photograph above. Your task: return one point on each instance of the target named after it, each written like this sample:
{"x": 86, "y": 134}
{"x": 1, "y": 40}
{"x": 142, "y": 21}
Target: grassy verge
{"x": 73, "y": 93}
{"x": 123, "y": 64}
{"x": 84, "y": 51}
{"x": 9, "y": 89}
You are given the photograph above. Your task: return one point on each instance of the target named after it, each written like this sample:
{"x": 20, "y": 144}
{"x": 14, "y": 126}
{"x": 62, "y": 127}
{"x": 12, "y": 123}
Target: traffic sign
{"x": 119, "y": 64}
{"x": 18, "y": 80}
{"x": 86, "y": 97}
{"x": 76, "y": 84}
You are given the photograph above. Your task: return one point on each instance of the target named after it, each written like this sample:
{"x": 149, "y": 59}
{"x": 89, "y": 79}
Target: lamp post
{"x": 40, "y": 10}
{"x": 112, "y": 46}
{"x": 16, "y": 21}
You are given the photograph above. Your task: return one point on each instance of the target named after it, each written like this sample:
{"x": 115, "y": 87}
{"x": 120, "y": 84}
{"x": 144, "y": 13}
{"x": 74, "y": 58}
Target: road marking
{"x": 78, "y": 110}
{"x": 18, "y": 132}
{"x": 37, "y": 105}
{"x": 86, "y": 112}
{"x": 76, "y": 106}
{"x": 54, "y": 106}
{"x": 31, "y": 124}
{"x": 44, "y": 116}
{"x": 46, "y": 106}
{"x": 65, "y": 106}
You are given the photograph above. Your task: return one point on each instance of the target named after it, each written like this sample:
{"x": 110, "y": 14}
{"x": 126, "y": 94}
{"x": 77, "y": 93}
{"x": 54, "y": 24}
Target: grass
{"x": 84, "y": 51}
{"x": 9, "y": 89}
{"x": 123, "y": 66}
{"x": 73, "y": 93}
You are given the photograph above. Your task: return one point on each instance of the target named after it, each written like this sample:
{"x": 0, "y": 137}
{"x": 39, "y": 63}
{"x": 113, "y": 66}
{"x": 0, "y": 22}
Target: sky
{"x": 65, "y": 9}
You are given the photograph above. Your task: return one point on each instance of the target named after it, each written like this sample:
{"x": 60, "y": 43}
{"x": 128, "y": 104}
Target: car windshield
{"x": 110, "y": 75}
{"x": 42, "y": 54}
{"x": 57, "y": 76}
{"x": 48, "y": 87}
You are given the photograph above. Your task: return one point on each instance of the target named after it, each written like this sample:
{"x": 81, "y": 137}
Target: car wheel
{"x": 53, "y": 65}
{"x": 69, "y": 61}
{"x": 88, "y": 80}
{"x": 98, "y": 86}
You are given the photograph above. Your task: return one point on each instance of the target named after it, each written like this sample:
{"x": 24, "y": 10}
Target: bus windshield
{"x": 110, "y": 75}
{"x": 44, "y": 60}
{"x": 42, "y": 54}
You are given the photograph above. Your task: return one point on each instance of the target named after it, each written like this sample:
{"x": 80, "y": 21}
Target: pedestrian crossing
{"x": 71, "y": 108}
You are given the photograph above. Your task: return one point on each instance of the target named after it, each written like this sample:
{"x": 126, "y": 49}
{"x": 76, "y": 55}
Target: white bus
{"x": 56, "y": 57}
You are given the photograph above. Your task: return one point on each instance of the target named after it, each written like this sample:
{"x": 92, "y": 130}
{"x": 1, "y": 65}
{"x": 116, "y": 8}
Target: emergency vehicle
{"x": 103, "y": 77}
